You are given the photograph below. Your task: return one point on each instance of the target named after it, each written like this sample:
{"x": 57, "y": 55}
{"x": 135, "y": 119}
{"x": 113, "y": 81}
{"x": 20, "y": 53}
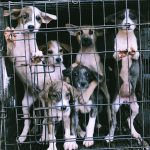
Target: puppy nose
{"x": 128, "y": 25}
{"x": 83, "y": 84}
{"x": 58, "y": 60}
{"x": 85, "y": 39}
{"x": 31, "y": 28}
{"x": 63, "y": 108}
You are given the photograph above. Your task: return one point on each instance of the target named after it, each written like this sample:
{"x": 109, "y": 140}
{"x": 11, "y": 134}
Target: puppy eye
{"x": 25, "y": 16}
{"x": 52, "y": 95}
{"x": 50, "y": 52}
{"x": 80, "y": 32}
{"x": 61, "y": 50}
{"x": 86, "y": 74}
{"x": 38, "y": 18}
{"x": 91, "y": 32}
{"x": 67, "y": 94}
{"x": 121, "y": 17}
{"x": 75, "y": 74}
{"x": 132, "y": 17}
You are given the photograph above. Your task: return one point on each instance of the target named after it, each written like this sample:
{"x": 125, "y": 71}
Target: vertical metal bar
{"x": 2, "y": 69}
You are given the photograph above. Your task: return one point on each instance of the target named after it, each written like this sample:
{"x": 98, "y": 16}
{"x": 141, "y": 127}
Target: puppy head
{"x": 85, "y": 35}
{"x": 126, "y": 18}
{"x": 59, "y": 94}
{"x": 30, "y": 18}
{"x": 54, "y": 53}
{"x": 81, "y": 76}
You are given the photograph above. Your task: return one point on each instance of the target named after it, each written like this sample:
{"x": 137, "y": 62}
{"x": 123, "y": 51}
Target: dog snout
{"x": 83, "y": 84}
{"x": 127, "y": 25}
{"x": 86, "y": 41}
{"x": 64, "y": 108}
{"x": 58, "y": 60}
{"x": 31, "y": 28}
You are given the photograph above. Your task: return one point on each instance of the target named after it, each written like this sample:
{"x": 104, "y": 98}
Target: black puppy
{"x": 81, "y": 77}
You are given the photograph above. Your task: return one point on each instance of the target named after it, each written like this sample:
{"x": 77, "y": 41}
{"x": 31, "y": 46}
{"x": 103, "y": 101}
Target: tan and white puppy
{"x": 21, "y": 47}
{"x": 126, "y": 53}
{"x": 57, "y": 97}
{"x": 88, "y": 56}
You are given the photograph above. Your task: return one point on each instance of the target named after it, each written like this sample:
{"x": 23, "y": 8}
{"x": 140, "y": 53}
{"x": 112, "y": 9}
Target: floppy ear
{"x": 73, "y": 91}
{"x": 99, "y": 32}
{"x": 67, "y": 75}
{"x": 71, "y": 31}
{"x": 46, "y": 18}
{"x": 67, "y": 72}
{"x": 14, "y": 13}
{"x": 110, "y": 18}
{"x": 66, "y": 47}
{"x": 43, "y": 48}
{"x": 97, "y": 77}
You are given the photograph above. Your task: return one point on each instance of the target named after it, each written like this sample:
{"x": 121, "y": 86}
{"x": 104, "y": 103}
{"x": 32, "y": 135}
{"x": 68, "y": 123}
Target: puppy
{"x": 89, "y": 57}
{"x": 126, "y": 55}
{"x": 81, "y": 77}
{"x": 22, "y": 48}
{"x": 58, "y": 96}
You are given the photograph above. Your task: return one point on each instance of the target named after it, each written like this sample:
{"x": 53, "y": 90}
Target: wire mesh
{"x": 80, "y": 13}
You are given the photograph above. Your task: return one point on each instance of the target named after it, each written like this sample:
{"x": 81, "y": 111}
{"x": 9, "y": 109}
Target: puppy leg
{"x": 89, "y": 132}
{"x": 80, "y": 132}
{"x": 44, "y": 136}
{"x": 135, "y": 110}
{"x": 70, "y": 140}
{"x": 26, "y": 103}
{"x": 52, "y": 138}
{"x": 115, "y": 107}
{"x": 107, "y": 96}
{"x": 89, "y": 91}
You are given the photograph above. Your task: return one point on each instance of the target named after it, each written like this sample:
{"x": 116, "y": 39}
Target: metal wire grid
{"x": 76, "y": 13}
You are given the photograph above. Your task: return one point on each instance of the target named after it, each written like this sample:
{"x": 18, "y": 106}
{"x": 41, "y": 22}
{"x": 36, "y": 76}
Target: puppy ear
{"x": 99, "y": 32}
{"x": 66, "y": 47}
{"x": 46, "y": 18}
{"x": 71, "y": 31}
{"x": 73, "y": 91}
{"x": 110, "y": 18}
{"x": 67, "y": 72}
{"x": 14, "y": 13}
{"x": 43, "y": 48}
{"x": 99, "y": 78}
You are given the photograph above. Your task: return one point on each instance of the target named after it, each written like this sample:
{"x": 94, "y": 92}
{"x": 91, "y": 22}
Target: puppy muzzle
{"x": 86, "y": 41}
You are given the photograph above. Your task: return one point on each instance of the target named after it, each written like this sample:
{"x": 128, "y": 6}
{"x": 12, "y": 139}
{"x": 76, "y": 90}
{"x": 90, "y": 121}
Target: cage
{"x": 80, "y": 13}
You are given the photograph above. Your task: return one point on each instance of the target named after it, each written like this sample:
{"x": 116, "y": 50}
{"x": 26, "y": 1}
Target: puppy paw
{"x": 134, "y": 53}
{"x": 82, "y": 134}
{"x": 44, "y": 139}
{"x": 72, "y": 145}
{"x": 21, "y": 139}
{"x": 9, "y": 34}
{"x": 88, "y": 142}
{"x": 136, "y": 135}
{"x": 52, "y": 146}
{"x": 109, "y": 138}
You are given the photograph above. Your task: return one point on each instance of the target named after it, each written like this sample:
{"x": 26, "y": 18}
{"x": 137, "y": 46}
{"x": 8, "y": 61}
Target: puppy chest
{"x": 90, "y": 60}
{"x": 125, "y": 42}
